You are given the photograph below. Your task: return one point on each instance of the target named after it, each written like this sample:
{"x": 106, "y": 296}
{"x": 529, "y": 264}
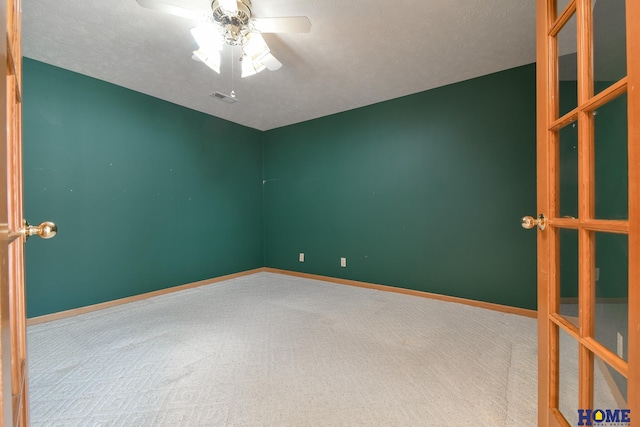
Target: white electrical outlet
{"x": 597, "y": 274}
{"x": 620, "y": 346}
{"x": 301, "y": 257}
{"x": 343, "y": 262}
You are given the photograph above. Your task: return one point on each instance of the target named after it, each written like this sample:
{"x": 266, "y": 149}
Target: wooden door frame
{"x": 13, "y": 379}
{"x": 548, "y": 270}
{"x": 6, "y": 400}
{"x": 633, "y": 94}
{"x": 546, "y": 353}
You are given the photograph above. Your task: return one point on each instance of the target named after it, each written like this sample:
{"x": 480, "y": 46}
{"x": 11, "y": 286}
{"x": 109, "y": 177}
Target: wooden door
{"x": 12, "y": 234}
{"x": 588, "y": 172}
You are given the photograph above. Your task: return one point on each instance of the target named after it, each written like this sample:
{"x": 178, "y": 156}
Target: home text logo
{"x": 604, "y": 417}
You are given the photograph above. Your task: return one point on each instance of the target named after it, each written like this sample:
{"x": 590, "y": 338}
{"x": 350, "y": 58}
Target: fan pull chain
{"x": 233, "y": 92}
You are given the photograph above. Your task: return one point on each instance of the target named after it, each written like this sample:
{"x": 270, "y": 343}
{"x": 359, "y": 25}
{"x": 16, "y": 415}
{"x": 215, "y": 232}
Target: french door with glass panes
{"x": 588, "y": 220}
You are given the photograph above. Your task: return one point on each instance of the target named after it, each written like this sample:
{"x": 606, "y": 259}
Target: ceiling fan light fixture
{"x": 249, "y": 68}
{"x": 257, "y": 55}
{"x": 211, "y": 59}
{"x": 231, "y": 22}
{"x": 208, "y": 37}
{"x": 255, "y": 48}
{"x": 271, "y": 62}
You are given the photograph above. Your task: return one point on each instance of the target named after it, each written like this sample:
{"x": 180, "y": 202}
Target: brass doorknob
{"x": 529, "y": 222}
{"x": 46, "y": 230}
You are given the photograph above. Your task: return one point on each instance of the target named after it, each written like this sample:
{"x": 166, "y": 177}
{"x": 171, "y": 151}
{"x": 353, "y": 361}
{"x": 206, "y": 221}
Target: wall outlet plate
{"x": 343, "y": 262}
{"x": 301, "y": 257}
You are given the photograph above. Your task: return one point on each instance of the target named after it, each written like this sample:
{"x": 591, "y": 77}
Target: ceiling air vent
{"x": 224, "y": 98}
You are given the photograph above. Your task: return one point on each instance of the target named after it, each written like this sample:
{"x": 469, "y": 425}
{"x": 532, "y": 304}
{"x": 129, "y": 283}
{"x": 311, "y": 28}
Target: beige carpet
{"x": 274, "y": 350}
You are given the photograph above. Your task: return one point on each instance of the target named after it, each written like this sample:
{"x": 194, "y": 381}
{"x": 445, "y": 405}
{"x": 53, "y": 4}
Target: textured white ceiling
{"x": 357, "y": 53}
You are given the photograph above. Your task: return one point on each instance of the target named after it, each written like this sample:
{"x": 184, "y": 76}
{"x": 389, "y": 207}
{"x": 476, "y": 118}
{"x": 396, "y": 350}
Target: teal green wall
{"x": 146, "y": 194}
{"x": 423, "y": 192}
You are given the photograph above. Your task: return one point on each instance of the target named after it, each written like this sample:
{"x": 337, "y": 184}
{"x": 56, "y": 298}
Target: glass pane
{"x": 611, "y": 160}
{"x": 561, "y": 6}
{"x": 568, "y": 136}
{"x": 568, "y": 378}
{"x": 609, "y": 43}
{"x": 568, "y": 66}
{"x": 609, "y": 394}
{"x": 569, "y": 275}
{"x": 612, "y": 292}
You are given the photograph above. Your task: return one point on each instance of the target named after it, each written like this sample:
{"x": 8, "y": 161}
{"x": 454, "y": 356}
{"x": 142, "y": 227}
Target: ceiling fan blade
{"x": 230, "y": 6}
{"x": 163, "y": 7}
{"x": 285, "y": 24}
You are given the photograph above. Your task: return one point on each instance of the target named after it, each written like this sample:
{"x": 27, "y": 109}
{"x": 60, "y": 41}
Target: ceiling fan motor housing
{"x": 235, "y": 24}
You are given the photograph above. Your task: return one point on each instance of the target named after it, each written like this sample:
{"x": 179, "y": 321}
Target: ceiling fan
{"x": 230, "y": 22}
